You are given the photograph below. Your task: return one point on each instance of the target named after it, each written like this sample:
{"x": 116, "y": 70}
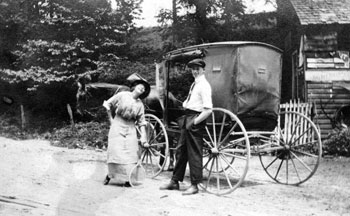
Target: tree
{"x": 202, "y": 21}
{"x": 58, "y": 41}
{"x": 207, "y": 21}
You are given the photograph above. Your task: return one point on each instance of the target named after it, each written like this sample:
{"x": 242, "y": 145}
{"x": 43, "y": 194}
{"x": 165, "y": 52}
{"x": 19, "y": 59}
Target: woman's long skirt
{"x": 122, "y": 152}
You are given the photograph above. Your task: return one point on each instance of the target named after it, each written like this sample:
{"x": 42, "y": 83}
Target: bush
{"x": 10, "y": 127}
{"x": 82, "y": 135}
{"x": 338, "y": 143}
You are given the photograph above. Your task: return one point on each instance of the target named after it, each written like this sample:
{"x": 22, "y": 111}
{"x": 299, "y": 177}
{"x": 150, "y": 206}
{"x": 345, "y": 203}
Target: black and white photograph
{"x": 174, "y": 107}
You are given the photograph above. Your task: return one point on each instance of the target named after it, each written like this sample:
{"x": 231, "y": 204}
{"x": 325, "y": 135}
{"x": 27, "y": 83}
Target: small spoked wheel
{"x": 154, "y": 155}
{"x": 226, "y": 153}
{"x": 295, "y": 151}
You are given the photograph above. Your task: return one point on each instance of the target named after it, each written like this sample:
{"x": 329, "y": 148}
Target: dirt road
{"x": 39, "y": 179}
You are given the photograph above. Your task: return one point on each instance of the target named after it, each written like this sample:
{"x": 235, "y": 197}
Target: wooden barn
{"x": 316, "y": 36}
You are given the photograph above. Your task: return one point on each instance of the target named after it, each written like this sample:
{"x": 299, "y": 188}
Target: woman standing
{"x": 122, "y": 151}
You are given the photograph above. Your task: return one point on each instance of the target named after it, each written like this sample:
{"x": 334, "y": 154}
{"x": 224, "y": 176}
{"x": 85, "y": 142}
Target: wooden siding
{"x": 321, "y": 42}
{"x": 329, "y": 62}
{"x": 327, "y": 75}
{"x": 328, "y": 99}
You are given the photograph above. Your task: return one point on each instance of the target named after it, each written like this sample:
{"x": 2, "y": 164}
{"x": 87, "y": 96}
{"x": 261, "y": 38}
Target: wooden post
{"x": 70, "y": 115}
{"x": 23, "y": 119}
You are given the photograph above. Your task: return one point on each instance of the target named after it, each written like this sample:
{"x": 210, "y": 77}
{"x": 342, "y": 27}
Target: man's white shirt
{"x": 200, "y": 95}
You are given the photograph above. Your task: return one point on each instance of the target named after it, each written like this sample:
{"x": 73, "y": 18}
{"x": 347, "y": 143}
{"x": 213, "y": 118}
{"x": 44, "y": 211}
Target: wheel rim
{"x": 155, "y": 156}
{"x": 300, "y": 150}
{"x": 226, "y": 153}
{"x": 137, "y": 175}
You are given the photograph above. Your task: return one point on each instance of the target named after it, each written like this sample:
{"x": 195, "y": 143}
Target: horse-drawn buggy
{"x": 246, "y": 119}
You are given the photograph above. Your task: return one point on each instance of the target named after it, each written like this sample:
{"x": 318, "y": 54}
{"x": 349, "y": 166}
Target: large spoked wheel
{"x": 295, "y": 151}
{"x": 154, "y": 156}
{"x": 226, "y": 153}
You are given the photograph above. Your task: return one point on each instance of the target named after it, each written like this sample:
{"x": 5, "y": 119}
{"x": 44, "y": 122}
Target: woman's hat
{"x": 196, "y": 62}
{"x": 135, "y": 79}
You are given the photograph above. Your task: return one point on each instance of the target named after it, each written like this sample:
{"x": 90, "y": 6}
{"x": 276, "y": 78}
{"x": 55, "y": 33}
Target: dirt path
{"x": 39, "y": 179}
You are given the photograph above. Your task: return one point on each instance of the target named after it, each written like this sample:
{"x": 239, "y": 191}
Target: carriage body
{"x": 245, "y": 78}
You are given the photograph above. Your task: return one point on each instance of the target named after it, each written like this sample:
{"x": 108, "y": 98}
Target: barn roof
{"x": 322, "y": 11}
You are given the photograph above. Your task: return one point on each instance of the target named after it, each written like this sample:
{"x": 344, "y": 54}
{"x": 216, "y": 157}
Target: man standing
{"x": 198, "y": 105}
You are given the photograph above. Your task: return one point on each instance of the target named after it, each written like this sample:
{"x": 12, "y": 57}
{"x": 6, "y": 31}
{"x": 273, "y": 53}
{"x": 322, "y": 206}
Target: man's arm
{"x": 202, "y": 116}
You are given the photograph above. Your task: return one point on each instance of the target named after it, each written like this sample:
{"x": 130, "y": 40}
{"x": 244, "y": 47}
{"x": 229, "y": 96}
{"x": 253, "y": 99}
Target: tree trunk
{"x": 174, "y": 21}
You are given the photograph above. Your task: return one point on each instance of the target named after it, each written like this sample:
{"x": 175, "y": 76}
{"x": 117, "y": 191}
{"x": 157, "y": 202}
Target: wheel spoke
{"x": 209, "y": 159}
{"x": 206, "y": 148}
{"x": 295, "y": 127}
{"x": 226, "y": 175}
{"x": 281, "y": 139}
{"x": 304, "y": 153}
{"x": 287, "y": 169}
{"x": 138, "y": 130}
{"x": 145, "y": 158}
{"x": 218, "y": 173}
{"x": 272, "y": 162}
{"x": 151, "y": 162}
{"x": 227, "y": 135}
{"x": 233, "y": 155}
{"x": 155, "y": 138}
{"x": 210, "y": 171}
{"x": 311, "y": 143}
{"x": 144, "y": 154}
{"x": 214, "y": 129}
{"x": 153, "y": 124}
{"x": 222, "y": 126}
{"x": 157, "y": 153}
{"x": 296, "y": 170}
{"x": 208, "y": 143}
{"x": 148, "y": 129}
{"x": 229, "y": 164}
{"x": 301, "y": 135}
{"x": 279, "y": 168}
{"x": 302, "y": 162}
{"x": 211, "y": 139}
{"x": 158, "y": 144}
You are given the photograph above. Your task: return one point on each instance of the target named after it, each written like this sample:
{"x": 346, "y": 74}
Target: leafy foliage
{"x": 10, "y": 127}
{"x": 49, "y": 44}
{"x": 203, "y": 21}
{"x": 338, "y": 143}
{"x": 83, "y": 135}
{"x": 146, "y": 45}
{"x": 211, "y": 21}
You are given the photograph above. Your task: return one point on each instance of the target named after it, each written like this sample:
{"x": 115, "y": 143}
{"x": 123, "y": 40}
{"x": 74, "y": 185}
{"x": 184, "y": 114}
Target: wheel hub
{"x": 214, "y": 151}
{"x": 285, "y": 153}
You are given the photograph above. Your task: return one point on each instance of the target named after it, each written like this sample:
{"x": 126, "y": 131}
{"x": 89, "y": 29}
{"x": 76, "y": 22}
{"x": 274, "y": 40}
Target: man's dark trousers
{"x": 189, "y": 148}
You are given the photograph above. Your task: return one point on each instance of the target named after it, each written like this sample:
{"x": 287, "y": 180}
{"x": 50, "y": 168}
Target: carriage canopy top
{"x": 245, "y": 77}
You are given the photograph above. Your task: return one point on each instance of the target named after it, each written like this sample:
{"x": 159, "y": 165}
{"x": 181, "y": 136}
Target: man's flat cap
{"x": 196, "y": 62}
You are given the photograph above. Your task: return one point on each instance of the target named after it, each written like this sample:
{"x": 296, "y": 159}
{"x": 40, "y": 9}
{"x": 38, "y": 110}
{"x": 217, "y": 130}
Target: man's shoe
{"x": 191, "y": 190}
{"x": 106, "y": 181}
{"x": 172, "y": 185}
